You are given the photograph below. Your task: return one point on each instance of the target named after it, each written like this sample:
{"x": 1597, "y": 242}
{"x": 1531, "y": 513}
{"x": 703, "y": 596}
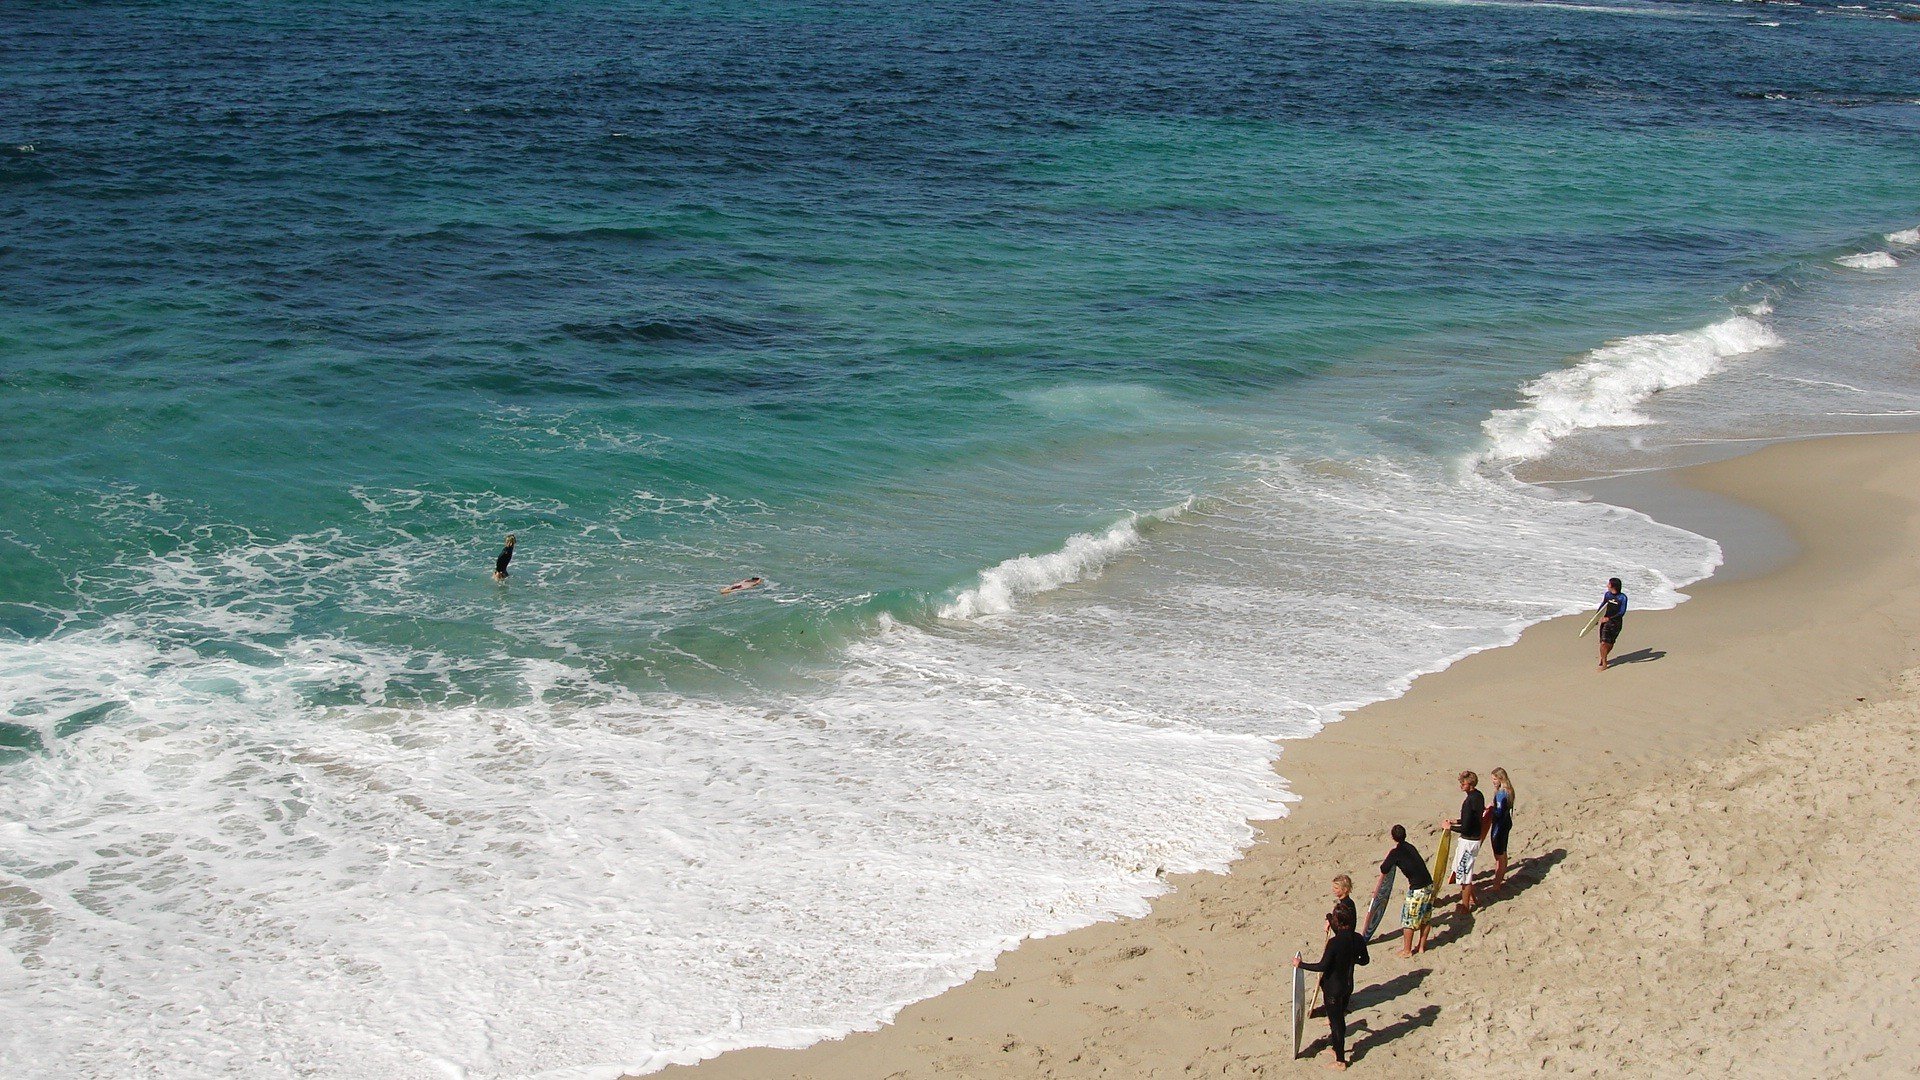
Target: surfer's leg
{"x": 1337, "y": 1028}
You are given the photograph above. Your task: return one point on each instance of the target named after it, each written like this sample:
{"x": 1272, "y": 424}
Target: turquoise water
{"x": 1105, "y": 392}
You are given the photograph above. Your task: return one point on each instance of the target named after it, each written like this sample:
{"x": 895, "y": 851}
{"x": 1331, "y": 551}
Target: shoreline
{"x": 1813, "y": 617}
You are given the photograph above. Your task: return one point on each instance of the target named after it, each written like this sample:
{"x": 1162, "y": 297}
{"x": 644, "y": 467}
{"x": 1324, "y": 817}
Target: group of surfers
{"x": 1478, "y": 822}
{"x": 1346, "y": 947}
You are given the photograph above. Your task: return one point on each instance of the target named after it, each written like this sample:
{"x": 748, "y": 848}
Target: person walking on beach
{"x": 1613, "y": 612}
{"x": 1468, "y": 825}
{"x": 1500, "y": 825}
{"x": 1344, "y": 950}
{"x": 1416, "y": 909}
{"x": 506, "y": 556}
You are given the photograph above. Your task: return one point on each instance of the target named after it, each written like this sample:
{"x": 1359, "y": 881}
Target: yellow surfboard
{"x": 1442, "y": 862}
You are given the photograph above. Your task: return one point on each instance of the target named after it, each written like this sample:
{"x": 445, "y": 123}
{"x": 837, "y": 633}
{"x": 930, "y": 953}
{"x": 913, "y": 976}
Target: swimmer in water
{"x": 506, "y": 556}
{"x": 744, "y": 583}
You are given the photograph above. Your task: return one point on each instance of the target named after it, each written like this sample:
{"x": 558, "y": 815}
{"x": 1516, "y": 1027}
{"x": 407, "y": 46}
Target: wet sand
{"x": 1712, "y": 857}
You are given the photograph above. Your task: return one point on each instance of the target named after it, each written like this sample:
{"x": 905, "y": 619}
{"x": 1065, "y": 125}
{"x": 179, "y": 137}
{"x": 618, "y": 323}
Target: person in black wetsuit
{"x": 1342, "y": 901}
{"x": 1418, "y": 906}
{"x": 1344, "y": 950}
{"x": 506, "y": 556}
{"x": 1613, "y": 613}
{"x": 1473, "y": 810}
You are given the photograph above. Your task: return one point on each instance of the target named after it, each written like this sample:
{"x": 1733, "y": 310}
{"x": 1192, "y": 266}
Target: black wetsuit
{"x": 1472, "y": 809}
{"x": 1344, "y": 949}
{"x": 1345, "y": 904}
{"x": 1405, "y": 859}
{"x": 500, "y": 564}
{"x": 1502, "y": 821}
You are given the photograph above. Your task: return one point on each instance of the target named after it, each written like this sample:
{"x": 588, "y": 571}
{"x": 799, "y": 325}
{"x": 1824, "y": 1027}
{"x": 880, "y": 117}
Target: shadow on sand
{"x": 1364, "y": 1037}
{"x": 1521, "y": 876}
{"x": 1637, "y": 656}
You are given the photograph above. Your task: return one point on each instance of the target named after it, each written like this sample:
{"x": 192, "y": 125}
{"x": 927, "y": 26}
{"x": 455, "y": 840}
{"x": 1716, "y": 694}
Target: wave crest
{"x": 1871, "y": 260}
{"x": 1082, "y": 556}
{"x": 1606, "y": 389}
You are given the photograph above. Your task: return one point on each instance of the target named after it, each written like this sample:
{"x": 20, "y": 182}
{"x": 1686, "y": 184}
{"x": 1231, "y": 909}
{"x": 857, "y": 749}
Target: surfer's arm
{"x": 1326, "y": 958}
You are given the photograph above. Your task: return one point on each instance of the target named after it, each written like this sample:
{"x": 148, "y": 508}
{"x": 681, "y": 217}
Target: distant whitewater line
{"x": 1606, "y": 389}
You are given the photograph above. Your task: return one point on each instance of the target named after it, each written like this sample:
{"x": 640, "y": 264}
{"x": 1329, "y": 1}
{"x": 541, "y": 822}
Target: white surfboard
{"x": 1593, "y": 622}
{"x": 1299, "y": 1005}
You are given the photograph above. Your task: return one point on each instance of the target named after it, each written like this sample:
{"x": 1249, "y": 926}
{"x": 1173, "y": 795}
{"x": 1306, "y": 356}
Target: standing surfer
{"x": 1344, "y": 949}
{"x": 1418, "y": 906}
{"x": 1613, "y": 612}
{"x": 1500, "y": 825}
{"x": 1473, "y": 809}
{"x": 506, "y": 556}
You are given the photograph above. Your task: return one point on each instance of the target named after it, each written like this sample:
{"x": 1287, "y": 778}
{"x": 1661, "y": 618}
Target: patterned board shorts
{"x": 1418, "y": 905}
{"x": 1464, "y": 857}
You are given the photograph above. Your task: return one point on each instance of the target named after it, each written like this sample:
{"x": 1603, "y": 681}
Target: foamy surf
{"x": 1082, "y": 556}
{"x": 1606, "y": 389}
{"x": 1869, "y": 260}
{"x": 1904, "y": 236}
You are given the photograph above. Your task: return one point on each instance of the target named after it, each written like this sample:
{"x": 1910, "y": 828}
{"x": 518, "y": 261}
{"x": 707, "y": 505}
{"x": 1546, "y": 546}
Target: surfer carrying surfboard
{"x": 1416, "y": 910}
{"x": 1344, "y": 950}
{"x": 1473, "y": 809}
{"x": 1613, "y": 612}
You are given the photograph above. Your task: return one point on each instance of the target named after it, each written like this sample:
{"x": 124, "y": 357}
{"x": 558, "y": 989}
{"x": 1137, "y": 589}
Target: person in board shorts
{"x": 1613, "y": 612}
{"x": 1416, "y": 910}
{"x": 1472, "y": 809}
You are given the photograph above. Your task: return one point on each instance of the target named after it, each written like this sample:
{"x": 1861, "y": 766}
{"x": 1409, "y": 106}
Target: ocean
{"x": 1108, "y": 394}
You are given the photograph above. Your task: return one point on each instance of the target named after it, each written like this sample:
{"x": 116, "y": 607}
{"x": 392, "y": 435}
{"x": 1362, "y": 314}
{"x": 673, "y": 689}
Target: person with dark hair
{"x": 1613, "y": 612}
{"x": 506, "y": 556}
{"x": 1466, "y": 850}
{"x": 1344, "y": 950}
{"x": 1417, "y": 909}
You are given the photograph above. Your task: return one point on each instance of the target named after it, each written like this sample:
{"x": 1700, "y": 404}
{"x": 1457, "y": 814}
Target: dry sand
{"x": 1715, "y": 851}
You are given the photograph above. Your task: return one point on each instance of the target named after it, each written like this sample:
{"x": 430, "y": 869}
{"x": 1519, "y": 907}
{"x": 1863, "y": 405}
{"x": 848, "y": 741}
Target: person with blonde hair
{"x": 1468, "y": 825}
{"x": 1500, "y": 825}
{"x": 506, "y": 556}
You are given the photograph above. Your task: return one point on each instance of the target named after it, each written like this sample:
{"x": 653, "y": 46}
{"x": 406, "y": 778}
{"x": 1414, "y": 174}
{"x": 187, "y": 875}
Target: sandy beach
{"x": 1711, "y": 872}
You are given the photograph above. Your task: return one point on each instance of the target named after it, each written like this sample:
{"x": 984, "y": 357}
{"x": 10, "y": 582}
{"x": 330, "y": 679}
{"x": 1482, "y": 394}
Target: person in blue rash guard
{"x": 1613, "y": 612}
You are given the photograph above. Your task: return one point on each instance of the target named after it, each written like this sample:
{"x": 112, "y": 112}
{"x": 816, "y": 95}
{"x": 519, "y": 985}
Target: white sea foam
{"x": 1904, "y": 236}
{"x": 1870, "y": 260}
{"x": 294, "y": 875}
{"x": 1082, "y": 556}
{"x": 370, "y": 892}
{"x": 1606, "y": 388}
